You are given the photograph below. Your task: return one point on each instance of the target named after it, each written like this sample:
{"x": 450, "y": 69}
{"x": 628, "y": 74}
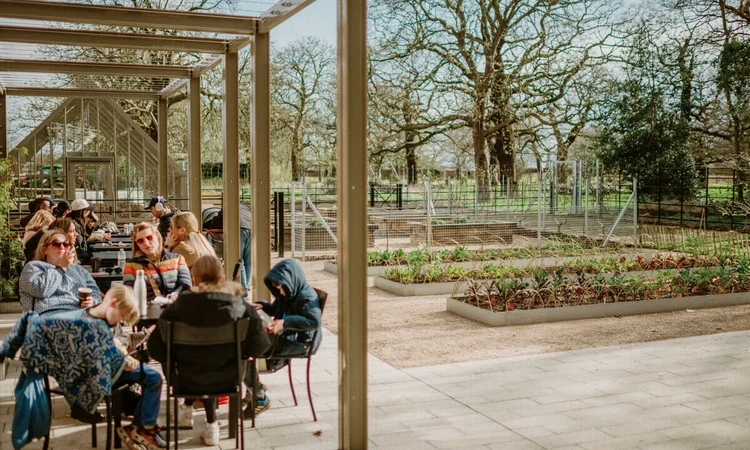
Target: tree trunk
{"x": 481, "y": 175}
{"x": 295, "y": 156}
{"x": 504, "y": 155}
{"x": 411, "y": 163}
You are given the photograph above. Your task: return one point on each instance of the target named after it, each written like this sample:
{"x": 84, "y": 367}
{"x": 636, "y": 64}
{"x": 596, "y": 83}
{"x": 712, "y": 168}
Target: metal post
{"x": 195, "y": 175}
{"x": 372, "y": 196}
{"x": 539, "y": 207}
{"x": 163, "y": 181}
{"x": 231, "y": 164}
{"x": 3, "y": 125}
{"x": 399, "y": 196}
{"x": 293, "y": 207}
{"x": 303, "y": 229}
{"x": 352, "y": 229}
{"x": 598, "y": 188}
{"x": 280, "y": 225}
{"x": 586, "y": 207}
{"x": 635, "y": 211}
{"x": 260, "y": 158}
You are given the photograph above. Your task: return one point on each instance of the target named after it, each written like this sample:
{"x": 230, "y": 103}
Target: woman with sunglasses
{"x": 186, "y": 239}
{"x": 52, "y": 279}
{"x": 165, "y": 272}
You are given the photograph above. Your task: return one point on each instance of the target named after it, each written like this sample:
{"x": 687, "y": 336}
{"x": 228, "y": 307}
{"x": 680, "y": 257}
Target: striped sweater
{"x": 170, "y": 273}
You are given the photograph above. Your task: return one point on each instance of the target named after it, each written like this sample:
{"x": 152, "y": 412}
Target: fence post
{"x": 372, "y": 196}
{"x": 705, "y": 210}
{"x": 660, "y": 181}
{"x": 294, "y": 218}
{"x": 635, "y": 211}
{"x": 399, "y": 198}
{"x": 539, "y": 209}
{"x": 586, "y": 205}
{"x": 280, "y": 226}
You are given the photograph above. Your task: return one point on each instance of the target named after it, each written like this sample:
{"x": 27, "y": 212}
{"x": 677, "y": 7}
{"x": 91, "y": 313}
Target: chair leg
{"x": 309, "y": 393}
{"x": 49, "y": 404}
{"x": 235, "y": 417}
{"x": 291, "y": 384}
{"x": 108, "y": 403}
{"x": 93, "y": 430}
{"x": 176, "y": 428}
{"x": 117, "y": 413}
{"x": 241, "y": 422}
{"x": 169, "y": 423}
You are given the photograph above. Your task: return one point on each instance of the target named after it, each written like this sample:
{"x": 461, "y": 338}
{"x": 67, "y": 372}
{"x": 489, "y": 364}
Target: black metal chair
{"x": 311, "y": 351}
{"x": 113, "y": 403}
{"x": 178, "y": 333}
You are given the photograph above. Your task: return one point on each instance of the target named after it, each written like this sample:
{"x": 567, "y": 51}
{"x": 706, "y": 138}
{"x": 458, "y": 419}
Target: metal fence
{"x": 562, "y": 200}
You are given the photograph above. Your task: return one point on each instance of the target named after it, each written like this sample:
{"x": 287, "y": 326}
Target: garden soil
{"x": 418, "y": 331}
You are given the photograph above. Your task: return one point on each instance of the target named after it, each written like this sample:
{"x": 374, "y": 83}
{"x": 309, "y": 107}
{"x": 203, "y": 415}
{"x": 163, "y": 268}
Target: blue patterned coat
{"x": 78, "y": 352}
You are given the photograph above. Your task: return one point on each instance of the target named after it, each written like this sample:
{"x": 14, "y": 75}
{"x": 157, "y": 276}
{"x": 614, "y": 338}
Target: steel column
{"x": 261, "y": 172}
{"x": 162, "y": 136}
{"x": 352, "y": 227}
{"x": 194, "y": 146}
{"x": 3, "y": 125}
{"x": 231, "y": 166}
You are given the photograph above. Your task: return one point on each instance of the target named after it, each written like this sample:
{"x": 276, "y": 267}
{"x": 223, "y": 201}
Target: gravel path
{"x": 417, "y": 331}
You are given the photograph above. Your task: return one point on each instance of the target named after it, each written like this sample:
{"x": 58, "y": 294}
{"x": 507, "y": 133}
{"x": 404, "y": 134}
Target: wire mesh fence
{"x": 562, "y": 200}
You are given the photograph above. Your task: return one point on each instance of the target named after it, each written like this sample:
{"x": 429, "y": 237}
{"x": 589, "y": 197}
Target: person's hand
{"x": 68, "y": 258}
{"x": 171, "y": 241}
{"x": 257, "y": 306}
{"x": 151, "y": 329}
{"x": 87, "y": 303}
{"x": 275, "y": 327}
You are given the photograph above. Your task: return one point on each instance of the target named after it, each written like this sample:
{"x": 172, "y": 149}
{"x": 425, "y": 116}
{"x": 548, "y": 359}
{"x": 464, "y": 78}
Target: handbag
{"x": 31, "y": 419}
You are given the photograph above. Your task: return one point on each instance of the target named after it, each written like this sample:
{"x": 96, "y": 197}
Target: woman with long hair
{"x": 165, "y": 272}
{"x": 65, "y": 225}
{"x": 186, "y": 239}
{"x": 52, "y": 279}
{"x": 39, "y": 221}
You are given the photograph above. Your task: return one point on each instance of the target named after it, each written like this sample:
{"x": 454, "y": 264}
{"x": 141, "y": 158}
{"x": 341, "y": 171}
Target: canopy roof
{"x": 45, "y": 44}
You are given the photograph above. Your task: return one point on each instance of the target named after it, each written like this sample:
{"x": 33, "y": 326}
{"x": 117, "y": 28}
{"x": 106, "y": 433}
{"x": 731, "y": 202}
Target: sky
{"x": 318, "y": 19}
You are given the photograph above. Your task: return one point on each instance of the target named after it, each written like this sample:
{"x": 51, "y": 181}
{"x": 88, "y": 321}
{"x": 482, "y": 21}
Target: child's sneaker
{"x": 210, "y": 434}
{"x": 261, "y": 404}
{"x": 149, "y": 438}
{"x": 126, "y": 434}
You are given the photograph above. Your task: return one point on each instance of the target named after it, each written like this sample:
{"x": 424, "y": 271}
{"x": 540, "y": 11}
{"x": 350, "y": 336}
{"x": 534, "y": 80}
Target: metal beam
{"x": 198, "y": 71}
{"x": 81, "y": 38}
{"x": 4, "y": 126}
{"x": 163, "y": 137}
{"x": 194, "y": 146}
{"x": 91, "y": 68}
{"x": 351, "y": 177}
{"x": 269, "y": 23}
{"x": 127, "y": 17}
{"x": 231, "y": 166}
{"x": 85, "y": 93}
{"x": 261, "y": 161}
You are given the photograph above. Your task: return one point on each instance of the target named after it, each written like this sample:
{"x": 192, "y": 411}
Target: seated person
{"x": 63, "y": 224}
{"x": 186, "y": 239}
{"x": 295, "y": 306}
{"x": 119, "y": 306}
{"x": 40, "y": 221}
{"x": 83, "y": 218}
{"x": 165, "y": 272}
{"x": 211, "y": 302}
{"x": 52, "y": 279}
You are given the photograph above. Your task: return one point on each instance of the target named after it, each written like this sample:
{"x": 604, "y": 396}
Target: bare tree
{"x": 302, "y": 69}
{"x": 506, "y": 59}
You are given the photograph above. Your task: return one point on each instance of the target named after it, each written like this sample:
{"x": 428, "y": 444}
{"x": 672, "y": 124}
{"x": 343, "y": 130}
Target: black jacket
{"x": 299, "y": 307}
{"x": 209, "y": 368}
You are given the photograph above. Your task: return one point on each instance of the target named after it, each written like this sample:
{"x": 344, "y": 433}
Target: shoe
{"x": 210, "y": 435}
{"x": 184, "y": 417}
{"x": 261, "y": 405}
{"x": 149, "y": 438}
{"x": 126, "y": 434}
{"x": 262, "y": 388}
{"x": 79, "y": 413}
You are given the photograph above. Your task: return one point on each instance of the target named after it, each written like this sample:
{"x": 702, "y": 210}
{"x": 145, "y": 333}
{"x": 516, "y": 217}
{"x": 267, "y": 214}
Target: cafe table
{"x": 109, "y": 258}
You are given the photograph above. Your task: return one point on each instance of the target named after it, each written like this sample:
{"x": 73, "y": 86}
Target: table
{"x": 101, "y": 246}
{"x": 104, "y": 280}
{"x": 109, "y": 258}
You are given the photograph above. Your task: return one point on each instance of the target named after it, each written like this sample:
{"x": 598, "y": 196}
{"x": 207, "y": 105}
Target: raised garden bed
{"x": 463, "y": 233}
{"x": 526, "y": 317}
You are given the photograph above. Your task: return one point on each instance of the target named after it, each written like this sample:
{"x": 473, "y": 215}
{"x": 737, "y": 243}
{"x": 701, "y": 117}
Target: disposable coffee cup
{"x": 83, "y": 294}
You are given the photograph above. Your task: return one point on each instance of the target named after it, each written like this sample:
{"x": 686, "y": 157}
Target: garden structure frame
{"x": 218, "y": 38}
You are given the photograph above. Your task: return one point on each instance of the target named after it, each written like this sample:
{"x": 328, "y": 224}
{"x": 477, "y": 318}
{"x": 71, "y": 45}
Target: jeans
{"x": 148, "y": 408}
{"x": 245, "y": 255}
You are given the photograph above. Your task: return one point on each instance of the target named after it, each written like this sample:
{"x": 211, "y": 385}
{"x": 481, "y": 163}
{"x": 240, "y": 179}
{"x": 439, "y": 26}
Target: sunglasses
{"x": 149, "y": 238}
{"x": 111, "y": 270}
{"x": 60, "y": 244}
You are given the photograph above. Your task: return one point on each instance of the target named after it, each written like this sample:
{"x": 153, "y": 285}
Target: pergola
{"x": 217, "y": 38}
